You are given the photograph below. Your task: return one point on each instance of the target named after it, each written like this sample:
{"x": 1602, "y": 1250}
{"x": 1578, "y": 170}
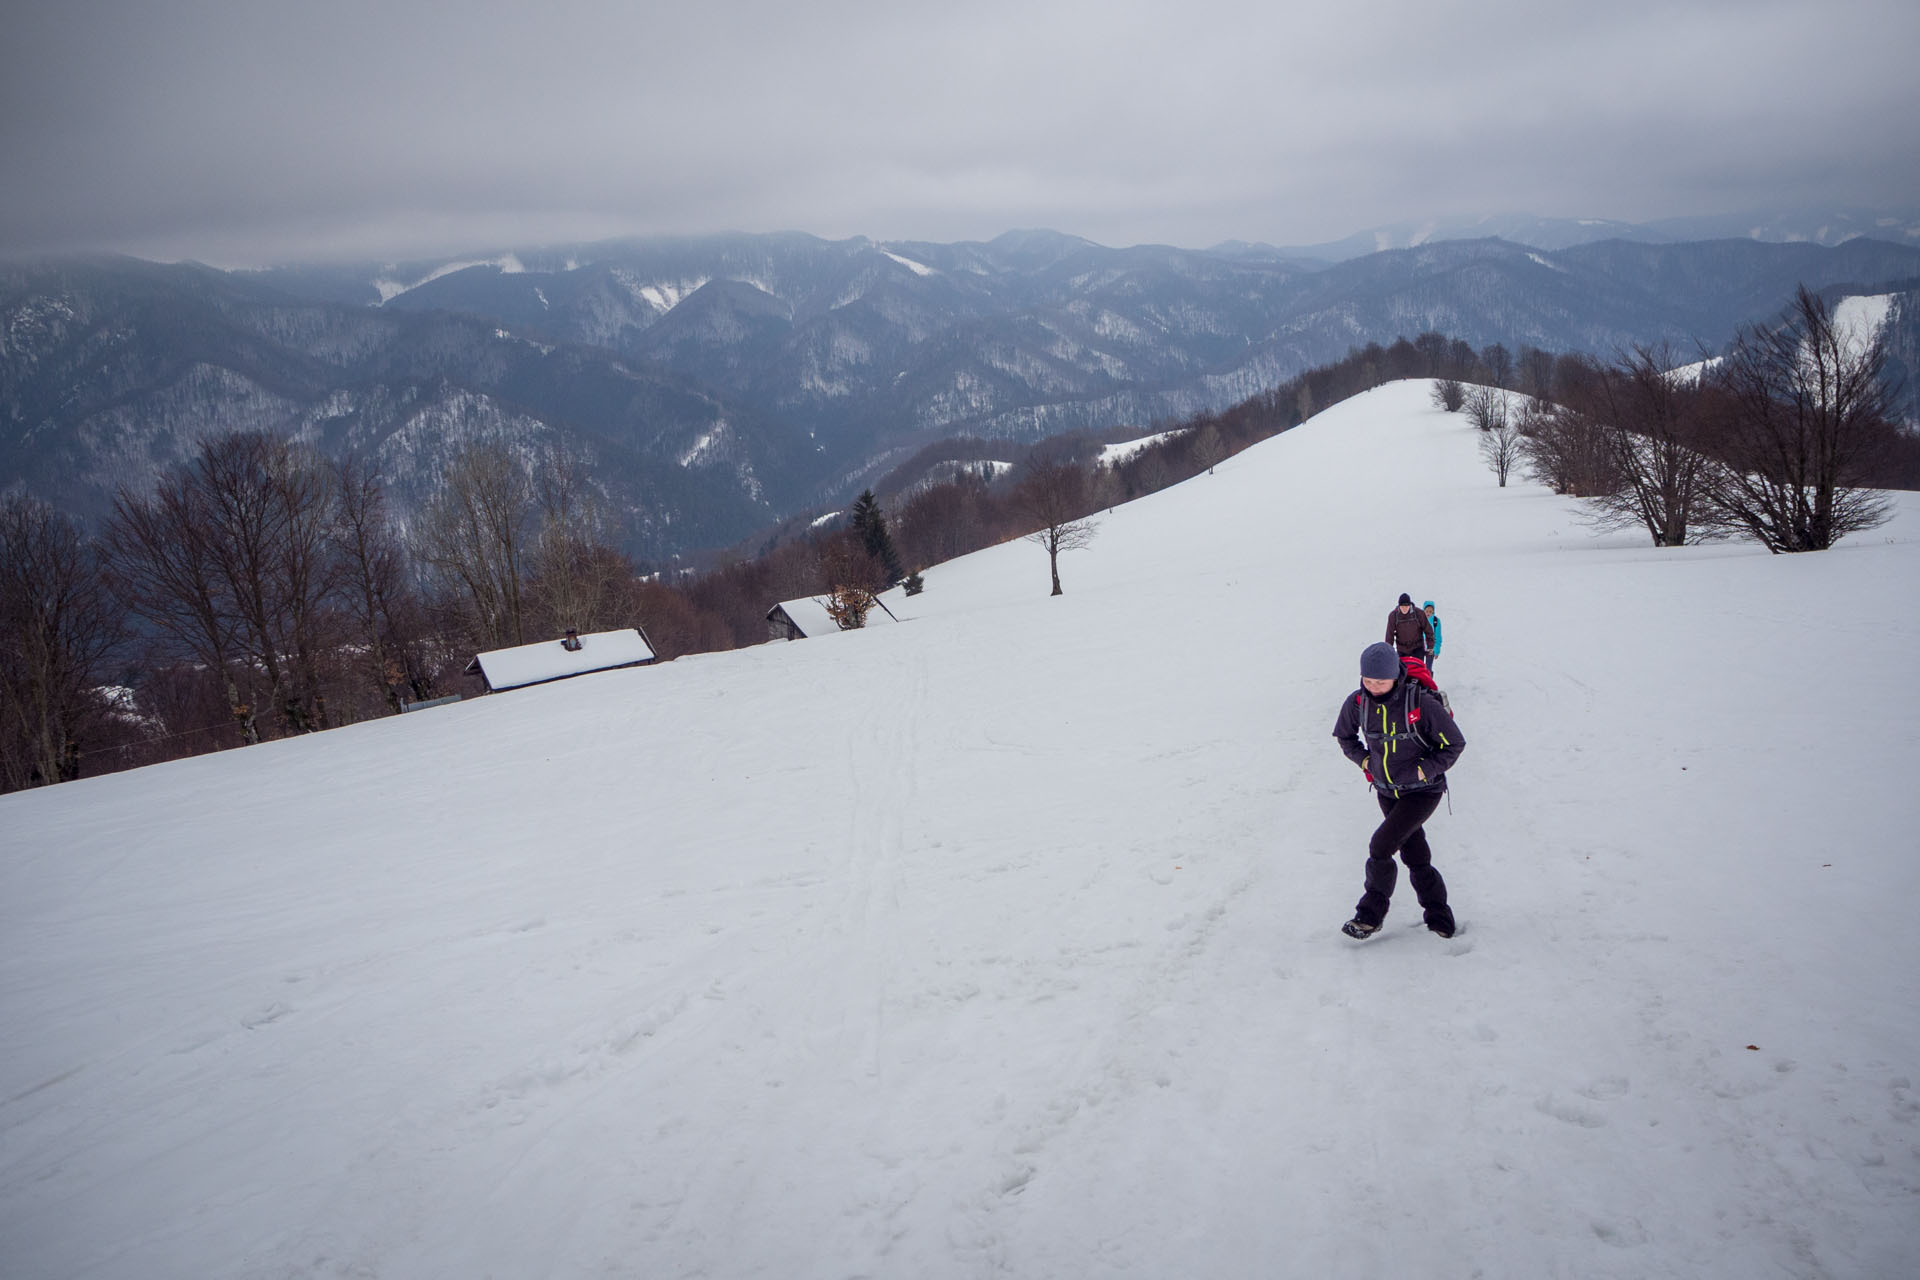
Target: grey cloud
{"x": 237, "y": 132}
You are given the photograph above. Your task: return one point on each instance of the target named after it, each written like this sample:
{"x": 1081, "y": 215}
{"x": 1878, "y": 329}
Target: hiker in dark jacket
{"x": 1408, "y": 630}
{"x": 1400, "y": 734}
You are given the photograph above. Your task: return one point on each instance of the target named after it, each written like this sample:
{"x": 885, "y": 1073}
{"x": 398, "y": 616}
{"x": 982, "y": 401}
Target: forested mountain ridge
{"x": 716, "y": 384}
{"x": 111, "y": 369}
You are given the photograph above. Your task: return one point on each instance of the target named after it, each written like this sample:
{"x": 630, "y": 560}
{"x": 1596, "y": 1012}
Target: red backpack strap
{"x": 1418, "y": 670}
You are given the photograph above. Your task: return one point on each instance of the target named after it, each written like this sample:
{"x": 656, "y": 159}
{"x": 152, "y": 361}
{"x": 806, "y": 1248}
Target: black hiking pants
{"x": 1404, "y": 833}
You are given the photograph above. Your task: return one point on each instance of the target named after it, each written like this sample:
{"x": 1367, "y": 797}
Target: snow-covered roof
{"x": 809, "y": 613}
{"x": 550, "y": 660}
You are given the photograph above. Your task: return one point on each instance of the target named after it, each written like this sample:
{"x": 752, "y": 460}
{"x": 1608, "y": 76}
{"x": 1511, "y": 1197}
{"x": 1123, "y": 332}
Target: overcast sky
{"x": 255, "y": 132}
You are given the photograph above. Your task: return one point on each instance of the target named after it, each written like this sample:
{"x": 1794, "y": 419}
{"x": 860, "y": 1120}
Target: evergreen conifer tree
{"x": 870, "y": 526}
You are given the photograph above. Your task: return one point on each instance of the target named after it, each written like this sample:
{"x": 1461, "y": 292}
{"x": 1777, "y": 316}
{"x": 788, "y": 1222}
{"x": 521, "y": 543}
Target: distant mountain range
{"x": 1823, "y": 227}
{"x": 717, "y": 384}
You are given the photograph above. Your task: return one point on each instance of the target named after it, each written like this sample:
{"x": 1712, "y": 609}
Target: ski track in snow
{"x": 1004, "y": 943}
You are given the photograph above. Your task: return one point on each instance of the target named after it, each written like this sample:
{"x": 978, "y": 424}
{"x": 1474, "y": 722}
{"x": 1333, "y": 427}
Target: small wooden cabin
{"x": 572, "y": 655}
{"x": 798, "y": 619}
{"x": 808, "y": 616}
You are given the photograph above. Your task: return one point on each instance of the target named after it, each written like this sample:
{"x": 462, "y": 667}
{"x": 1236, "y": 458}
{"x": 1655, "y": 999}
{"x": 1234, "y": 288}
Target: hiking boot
{"x": 1444, "y": 930}
{"x": 1358, "y": 928}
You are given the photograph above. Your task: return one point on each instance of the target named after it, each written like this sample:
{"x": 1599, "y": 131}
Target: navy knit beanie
{"x": 1378, "y": 661}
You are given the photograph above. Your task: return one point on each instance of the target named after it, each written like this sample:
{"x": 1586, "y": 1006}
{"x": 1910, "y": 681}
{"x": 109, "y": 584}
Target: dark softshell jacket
{"x": 1406, "y": 739}
{"x": 1409, "y": 632}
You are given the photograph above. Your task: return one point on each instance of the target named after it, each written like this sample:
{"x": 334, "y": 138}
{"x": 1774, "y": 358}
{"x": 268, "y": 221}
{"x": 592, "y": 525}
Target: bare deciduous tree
{"x": 1533, "y": 372}
{"x": 1810, "y": 412}
{"x": 1449, "y": 394}
{"x": 576, "y": 577}
{"x": 1150, "y": 472}
{"x": 376, "y": 587}
{"x": 229, "y": 557}
{"x": 1209, "y": 447}
{"x": 1052, "y": 501}
{"x": 1501, "y": 447}
{"x": 1499, "y": 364}
{"x": 943, "y": 521}
{"x": 161, "y": 564}
{"x": 1485, "y": 407}
{"x": 674, "y": 625}
{"x": 473, "y": 534}
{"x": 1653, "y": 421}
{"x": 57, "y": 627}
{"x": 268, "y": 503}
{"x": 1569, "y": 452}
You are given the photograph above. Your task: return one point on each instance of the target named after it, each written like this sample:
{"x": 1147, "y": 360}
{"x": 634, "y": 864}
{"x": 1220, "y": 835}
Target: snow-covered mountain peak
{"x": 389, "y": 288}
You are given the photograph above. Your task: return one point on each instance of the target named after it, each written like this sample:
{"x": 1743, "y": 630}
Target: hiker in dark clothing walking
{"x": 1408, "y": 630}
{"x": 1401, "y": 735}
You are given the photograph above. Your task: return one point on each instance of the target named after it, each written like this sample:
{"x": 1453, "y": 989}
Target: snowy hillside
{"x": 1004, "y": 942}
{"x": 1858, "y": 319}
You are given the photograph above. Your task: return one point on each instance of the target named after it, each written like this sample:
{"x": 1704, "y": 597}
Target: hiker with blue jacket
{"x": 1401, "y": 735}
{"x": 1433, "y": 620}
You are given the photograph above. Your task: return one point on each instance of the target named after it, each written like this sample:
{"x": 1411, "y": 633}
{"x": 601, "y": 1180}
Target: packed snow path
{"x": 1005, "y": 942}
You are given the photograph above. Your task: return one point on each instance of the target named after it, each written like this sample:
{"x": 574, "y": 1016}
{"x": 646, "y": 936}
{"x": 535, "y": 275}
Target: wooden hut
{"x": 572, "y": 655}
{"x": 808, "y": 616}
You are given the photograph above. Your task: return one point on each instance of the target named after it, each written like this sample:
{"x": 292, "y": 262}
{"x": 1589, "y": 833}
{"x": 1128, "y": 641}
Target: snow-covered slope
{"x": 1004, "y": 942}
{"x": 1859, "y": 318}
